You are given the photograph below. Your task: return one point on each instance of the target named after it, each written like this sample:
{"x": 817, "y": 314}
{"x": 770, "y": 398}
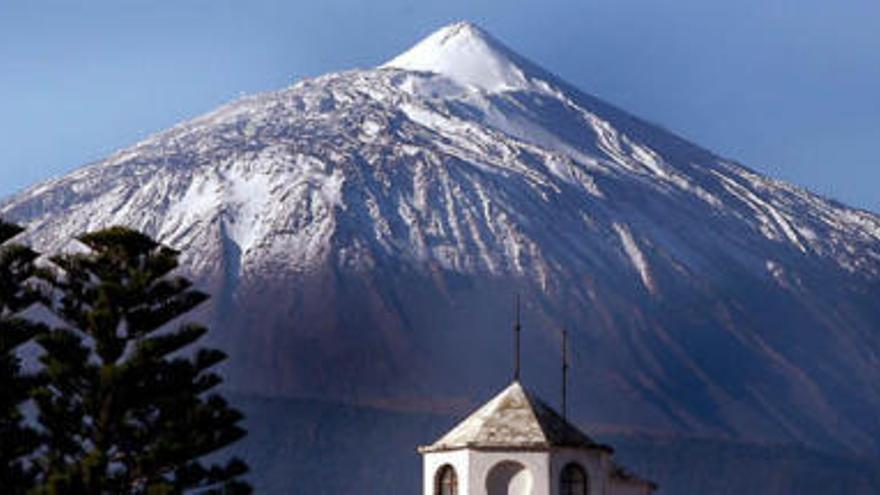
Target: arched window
{"x": 446, "y": 481}
{"x": 573, "y": 480}
{"x": 509, "y": 478}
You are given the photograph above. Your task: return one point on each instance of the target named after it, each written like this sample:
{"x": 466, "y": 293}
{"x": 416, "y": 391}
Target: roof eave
{"x": 531, "y": 447}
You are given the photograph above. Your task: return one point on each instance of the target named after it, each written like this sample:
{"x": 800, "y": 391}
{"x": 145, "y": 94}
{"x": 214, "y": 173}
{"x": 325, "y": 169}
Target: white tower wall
{"x": 522, "y": 472}
{"x": 530, "y": 479}
{"x": 433, "y": 461}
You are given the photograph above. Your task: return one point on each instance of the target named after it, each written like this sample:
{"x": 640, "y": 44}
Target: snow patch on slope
{"x": 636, "y": 256}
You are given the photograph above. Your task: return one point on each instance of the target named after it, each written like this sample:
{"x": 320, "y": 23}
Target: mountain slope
{"x": 363, "y": 234}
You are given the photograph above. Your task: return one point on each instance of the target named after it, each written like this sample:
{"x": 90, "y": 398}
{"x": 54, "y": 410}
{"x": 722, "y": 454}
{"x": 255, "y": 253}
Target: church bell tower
{"x": 516, "y": 444}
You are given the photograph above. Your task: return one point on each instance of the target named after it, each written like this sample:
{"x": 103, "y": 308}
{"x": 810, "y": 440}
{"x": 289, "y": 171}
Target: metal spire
{"x": 564, "y": 374}
{"x": 516, "y": 331}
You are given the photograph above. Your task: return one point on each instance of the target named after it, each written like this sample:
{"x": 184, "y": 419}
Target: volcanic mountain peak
{"x": 362, "y": 233}
{"x": 468, "y": 55}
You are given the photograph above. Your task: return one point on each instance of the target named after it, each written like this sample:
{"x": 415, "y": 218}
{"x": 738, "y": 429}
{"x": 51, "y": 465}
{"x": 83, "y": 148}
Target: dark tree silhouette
{"x": 17, "y": 440}
{"x": 125, "y": 409}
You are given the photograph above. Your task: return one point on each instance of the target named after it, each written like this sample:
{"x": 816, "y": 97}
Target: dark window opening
{"x": 446, "y": 482}
{"x": 573, "y": 480}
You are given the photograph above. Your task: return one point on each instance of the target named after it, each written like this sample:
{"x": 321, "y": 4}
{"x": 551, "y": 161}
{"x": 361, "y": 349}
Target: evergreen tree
{"x": 17, "y": 440}
{"x": 126, "y": 410}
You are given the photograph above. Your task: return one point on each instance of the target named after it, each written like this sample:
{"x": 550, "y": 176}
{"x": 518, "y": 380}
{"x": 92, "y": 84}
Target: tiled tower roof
{"x": 514, "y": 419}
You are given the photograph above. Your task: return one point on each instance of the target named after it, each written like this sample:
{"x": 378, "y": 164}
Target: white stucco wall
{"x": 536, "y": 464}
{"x": 473, "y": 468}
{"x": 541, "y": 476}
{"x": 433, "y": 461}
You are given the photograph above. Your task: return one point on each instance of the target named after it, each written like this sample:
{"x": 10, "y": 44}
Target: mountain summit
{"x": 363, "y": 234}
{"x": 469, "y": 56}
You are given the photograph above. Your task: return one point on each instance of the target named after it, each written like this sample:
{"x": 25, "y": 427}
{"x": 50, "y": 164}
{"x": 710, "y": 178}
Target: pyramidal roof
{"x": 469, "y": 56}
{"x": 514, "y": 419}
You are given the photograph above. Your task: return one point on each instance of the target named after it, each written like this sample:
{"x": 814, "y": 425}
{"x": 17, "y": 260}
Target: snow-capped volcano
{"x": 363, "y": 234}
{"x": 469, "y": 56}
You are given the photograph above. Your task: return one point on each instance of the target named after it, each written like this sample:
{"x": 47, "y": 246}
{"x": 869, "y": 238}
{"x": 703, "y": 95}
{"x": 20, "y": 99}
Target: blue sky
{"x": 788, "y": 87}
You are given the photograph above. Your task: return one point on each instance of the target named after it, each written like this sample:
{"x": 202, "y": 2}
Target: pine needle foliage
{"x": 127, "y": 406}
{"x": 17, "y": 440}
